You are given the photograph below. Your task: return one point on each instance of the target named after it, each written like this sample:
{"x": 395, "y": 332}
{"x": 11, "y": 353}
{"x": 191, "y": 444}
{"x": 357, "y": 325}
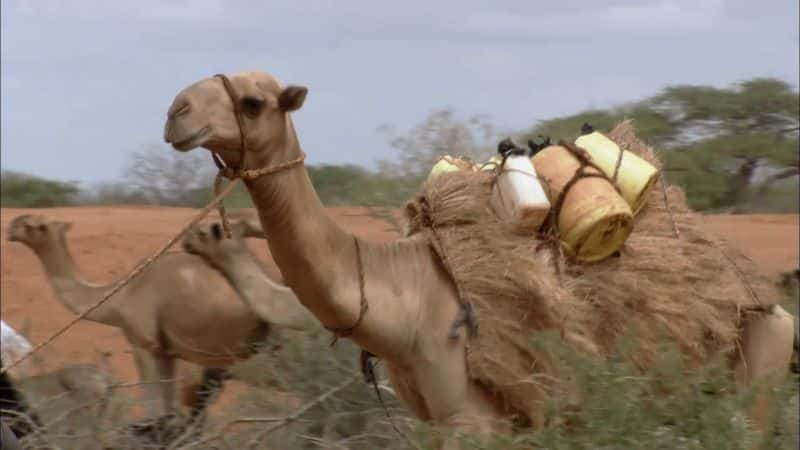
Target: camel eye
{"x": 251, "y": 105}
{"x": 216, "y": 230}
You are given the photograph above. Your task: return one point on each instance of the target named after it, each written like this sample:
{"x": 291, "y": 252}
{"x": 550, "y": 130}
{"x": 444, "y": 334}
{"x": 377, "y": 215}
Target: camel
{"x": 272, "y": 302}
{"x": 179, "y": 308}
{"x": 394, "y": 300}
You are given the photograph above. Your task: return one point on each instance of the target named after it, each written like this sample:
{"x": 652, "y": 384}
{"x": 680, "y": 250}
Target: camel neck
{"x": 315, "y": 256}
{"x": 318, "y": 260}
{"x": 73, "y": 292}
{"x": 310, "y": 250}
{"x": 273, "y": 303}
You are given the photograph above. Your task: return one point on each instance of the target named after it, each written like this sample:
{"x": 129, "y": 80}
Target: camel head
{"x": 248, "y": 224}
{"x": 37, "y": 231}
{"x": 203, "y": 115}
{"x": 210, "y": 242}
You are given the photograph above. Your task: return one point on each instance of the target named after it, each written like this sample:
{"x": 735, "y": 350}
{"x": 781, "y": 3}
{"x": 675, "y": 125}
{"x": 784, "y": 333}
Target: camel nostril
{"x": 180, "y": 107}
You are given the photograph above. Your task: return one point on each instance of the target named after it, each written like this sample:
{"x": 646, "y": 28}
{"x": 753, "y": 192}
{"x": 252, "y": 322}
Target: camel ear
{"x": 292, "y": 97}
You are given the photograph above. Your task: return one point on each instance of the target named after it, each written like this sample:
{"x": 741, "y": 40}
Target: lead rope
{"x": 122, "y": 283}
{"x": 237, "y": 112}
{"x": 367, "y": 367}
{"x": 220, "y": 193}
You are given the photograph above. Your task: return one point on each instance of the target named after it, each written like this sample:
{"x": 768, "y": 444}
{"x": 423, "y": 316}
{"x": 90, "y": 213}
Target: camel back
{"x": 683, "y": 286}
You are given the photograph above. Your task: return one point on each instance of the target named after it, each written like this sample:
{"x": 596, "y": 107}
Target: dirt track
{"x": 107, "y": 242}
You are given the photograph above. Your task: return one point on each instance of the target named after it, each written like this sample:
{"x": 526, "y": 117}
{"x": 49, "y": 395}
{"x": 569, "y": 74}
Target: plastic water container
{"x": 594, "y": 220}
{"x": 635, "y": 177}
{"x": 13, "y": 345}
{"x": 448, "y": 163}
{"x": 492, "y": 164}
{"x": 517, "y": 195}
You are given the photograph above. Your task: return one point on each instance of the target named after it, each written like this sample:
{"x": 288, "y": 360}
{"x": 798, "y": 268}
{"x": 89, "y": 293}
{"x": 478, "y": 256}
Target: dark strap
{"x": 237, "y": 111}
{"x": 549, "y": 231}
{"x": 364, "y": 306}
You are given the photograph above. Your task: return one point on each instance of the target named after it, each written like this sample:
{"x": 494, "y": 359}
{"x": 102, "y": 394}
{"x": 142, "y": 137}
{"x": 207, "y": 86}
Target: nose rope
{"x": 232, "y": 173}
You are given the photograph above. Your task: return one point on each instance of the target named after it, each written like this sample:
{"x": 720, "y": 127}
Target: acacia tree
{"x": 716, "y": 141}
{"x": 750, "y": 126}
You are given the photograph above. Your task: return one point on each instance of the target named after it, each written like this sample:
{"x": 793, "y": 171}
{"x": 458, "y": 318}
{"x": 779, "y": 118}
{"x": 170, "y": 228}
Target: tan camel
{"x": 245, "y": 120}
{"x": 272, "y": 302}
{"x": 179, "y": 308}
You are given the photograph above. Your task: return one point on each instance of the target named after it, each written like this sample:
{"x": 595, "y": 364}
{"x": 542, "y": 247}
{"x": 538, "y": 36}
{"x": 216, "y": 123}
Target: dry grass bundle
{"x": 681, "y": 285}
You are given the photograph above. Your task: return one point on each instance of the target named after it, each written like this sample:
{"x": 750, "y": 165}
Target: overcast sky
{"x": 86, "y": 82}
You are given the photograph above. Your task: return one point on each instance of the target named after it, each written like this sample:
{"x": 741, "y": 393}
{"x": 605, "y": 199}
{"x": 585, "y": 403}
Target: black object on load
{"x": 534, "y": 147}
{"x": 507, "y": 147}
{"x": 586, "y": 129}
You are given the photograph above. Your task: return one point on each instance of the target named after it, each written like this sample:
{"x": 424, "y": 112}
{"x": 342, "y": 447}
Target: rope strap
{"x": 465, "y": 316}
{"x": 549, "y": 231}
{"x": 364, "y": 306}
{"x": 232, "y": 173}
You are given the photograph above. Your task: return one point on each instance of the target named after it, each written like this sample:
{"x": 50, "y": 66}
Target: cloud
{"x": 93, "y": 78}
{"x": 663, "y": 17}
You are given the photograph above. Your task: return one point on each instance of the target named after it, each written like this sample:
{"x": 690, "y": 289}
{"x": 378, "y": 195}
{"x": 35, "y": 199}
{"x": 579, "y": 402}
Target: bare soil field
{"x": 107, "y": 242}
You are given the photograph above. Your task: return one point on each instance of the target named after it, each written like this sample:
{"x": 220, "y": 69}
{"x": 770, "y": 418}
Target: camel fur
{"x": 411, "y": 298}
{"x": 272, "y": 302}
{"x": 178, "y": 308}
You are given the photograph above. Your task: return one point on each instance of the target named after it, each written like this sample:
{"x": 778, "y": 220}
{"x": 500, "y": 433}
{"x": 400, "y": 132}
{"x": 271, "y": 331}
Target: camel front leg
{"x": 165, "y": 367}
{"x": 149, "y": 377}
{"x": 766, "y": 353}
{"x": 455, "y": 403}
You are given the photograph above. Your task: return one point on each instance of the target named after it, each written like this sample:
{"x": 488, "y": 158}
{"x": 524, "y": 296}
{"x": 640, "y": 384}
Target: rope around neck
{"x": 232, "y": 173}
{"x": 363, "y": 307}
{"x": 251, "y": 174}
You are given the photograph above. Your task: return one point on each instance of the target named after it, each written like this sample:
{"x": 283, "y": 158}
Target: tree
{"x": 168, "y": 177}
{"x": 716, "y": 142}
{"x": 441, "y": 133}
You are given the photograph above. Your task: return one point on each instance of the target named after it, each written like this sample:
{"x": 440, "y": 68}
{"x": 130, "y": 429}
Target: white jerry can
{"x": 517, "y": 195}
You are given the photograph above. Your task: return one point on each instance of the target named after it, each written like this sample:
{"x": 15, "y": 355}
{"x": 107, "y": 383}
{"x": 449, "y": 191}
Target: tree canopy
{"x": 727, "y": 147}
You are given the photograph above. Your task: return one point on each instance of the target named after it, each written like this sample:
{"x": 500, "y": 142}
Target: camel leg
{"x": 454, "y": 402}
{"x": 165, "y": 367}
{"x": 149, "y": 377}
{"x": 767, "y": 346}
{"x": 8, "y": 440}
{"x": 213, "y": 380}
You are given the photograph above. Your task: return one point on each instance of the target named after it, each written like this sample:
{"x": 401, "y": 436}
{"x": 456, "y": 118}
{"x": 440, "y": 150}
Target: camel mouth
{"x": 13, "y": 237}
{"x": 193, "y": 141}
{"x": 187, "y": 246}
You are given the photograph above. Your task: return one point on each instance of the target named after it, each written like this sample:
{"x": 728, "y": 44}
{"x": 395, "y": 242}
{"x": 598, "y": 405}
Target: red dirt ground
{"x": 108, "y": 241}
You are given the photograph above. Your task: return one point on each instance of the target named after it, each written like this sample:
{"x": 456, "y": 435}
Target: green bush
{"x": 20, "y": 190}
